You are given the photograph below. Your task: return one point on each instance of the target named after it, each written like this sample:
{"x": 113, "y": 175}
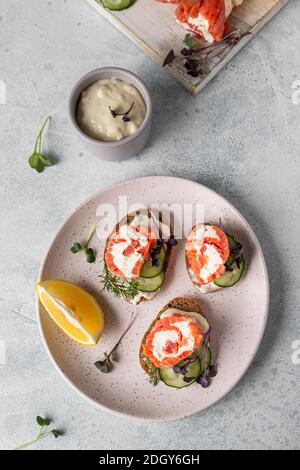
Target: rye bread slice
{"x": 126, "y": 220}
{"x": 185, "y": 304}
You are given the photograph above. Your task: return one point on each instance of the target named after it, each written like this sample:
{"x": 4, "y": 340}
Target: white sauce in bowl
{"x": 96, "y": 119}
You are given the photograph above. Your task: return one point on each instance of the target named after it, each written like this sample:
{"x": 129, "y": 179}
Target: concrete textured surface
{"x": 240, "y": 136}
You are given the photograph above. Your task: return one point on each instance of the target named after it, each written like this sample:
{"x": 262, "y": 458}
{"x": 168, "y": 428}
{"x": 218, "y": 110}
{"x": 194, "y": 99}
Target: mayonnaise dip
{"x": 94, "y": 115}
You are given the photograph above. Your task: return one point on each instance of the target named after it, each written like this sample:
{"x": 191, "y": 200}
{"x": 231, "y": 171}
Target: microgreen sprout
{"x": 105, "y": 365}
{"x": 125, "y": 116}
{"x": 89, "y": 252}
{"x": 198, "y": 56}
{"x": 43, "y": 423}
{"x": 37, "y": 160}
{"x": 204, "y": 356}
{"x": 155, "y": 252}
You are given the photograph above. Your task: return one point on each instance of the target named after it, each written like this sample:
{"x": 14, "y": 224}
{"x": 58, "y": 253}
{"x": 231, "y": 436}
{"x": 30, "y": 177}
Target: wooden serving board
{"x": 152, "y": 26}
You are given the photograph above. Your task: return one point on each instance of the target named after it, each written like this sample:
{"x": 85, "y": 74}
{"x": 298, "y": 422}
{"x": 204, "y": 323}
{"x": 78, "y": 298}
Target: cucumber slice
{"x": 230, "y": 278}
{"x": 116, "y": 4}
{"x": 149, "y": 271}
{"x": 151, "y": 284}
{"x": 170, "y": 378}
{"x": 230, "y": 261}
{"x": 232, "y": 242}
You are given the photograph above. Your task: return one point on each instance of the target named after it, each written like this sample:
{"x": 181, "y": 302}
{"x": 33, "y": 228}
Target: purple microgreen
{"x": 198, "y": 56}
{"x": 188, "y": 379}
{"x": 183, "y": 370}
{"x": 105, "y": 365}
{"x": 125, "y": 116}
{"x": 236, "y": 248}
{"x": 172, "y": 242}
{"x": 186, "y": 52}
{"x": 177, "y": 369}
{"x": 212, "y": 371}
{"x": 155, "y": 252}
{"x": 113, "y": 113}
{"x": 169, "y": 58}
{"x": 203, "y": 381}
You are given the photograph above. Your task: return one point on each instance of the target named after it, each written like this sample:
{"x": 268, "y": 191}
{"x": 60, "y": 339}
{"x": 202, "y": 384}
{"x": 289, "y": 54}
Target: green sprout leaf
{"x": 43, "y": 423}
{"x": 188, "y": 41}
{"x": 37, "y": 160}
{"x": 76, "y": 248}
{"x": 90, "y": 254}
{"x": 103, "y": 366}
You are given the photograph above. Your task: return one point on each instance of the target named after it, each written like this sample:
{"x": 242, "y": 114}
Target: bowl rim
{"x": 75, "y": 93}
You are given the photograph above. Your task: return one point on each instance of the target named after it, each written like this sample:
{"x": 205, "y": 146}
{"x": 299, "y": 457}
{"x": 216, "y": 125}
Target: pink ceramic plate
{"x": 237, "y": 315}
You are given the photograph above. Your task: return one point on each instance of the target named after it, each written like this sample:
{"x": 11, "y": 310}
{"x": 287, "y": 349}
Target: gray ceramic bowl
{"x": 121, "y": 149}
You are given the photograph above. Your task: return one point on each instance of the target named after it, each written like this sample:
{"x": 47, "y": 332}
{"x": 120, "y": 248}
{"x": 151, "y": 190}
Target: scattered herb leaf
{"x": 105, "y": 365}
{"x": 89, "y": 252}
{"x": 37, "y": 160}
{"x": 119, "y": 287}
{"x": 43, "y": 423}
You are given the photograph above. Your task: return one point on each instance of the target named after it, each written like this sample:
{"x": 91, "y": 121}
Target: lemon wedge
{"x": 73, "y": 309}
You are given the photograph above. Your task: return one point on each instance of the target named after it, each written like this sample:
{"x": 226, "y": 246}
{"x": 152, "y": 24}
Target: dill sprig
{"x": 119, "y": 287}
{"x": 153, "y": 373}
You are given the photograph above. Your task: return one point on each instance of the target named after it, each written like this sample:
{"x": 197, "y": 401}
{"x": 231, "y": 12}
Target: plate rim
{"x": 92, "y": 401}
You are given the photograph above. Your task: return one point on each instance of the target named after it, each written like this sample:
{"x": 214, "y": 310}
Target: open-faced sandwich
{"x": 136, "y": 256}
{"x": 176, "y": 348}
{"x": 206, "y": 18}
{"x": 214, "y": 259}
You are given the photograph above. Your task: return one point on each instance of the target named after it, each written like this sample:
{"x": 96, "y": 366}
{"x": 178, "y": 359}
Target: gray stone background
{"x": 240, "y": 136}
